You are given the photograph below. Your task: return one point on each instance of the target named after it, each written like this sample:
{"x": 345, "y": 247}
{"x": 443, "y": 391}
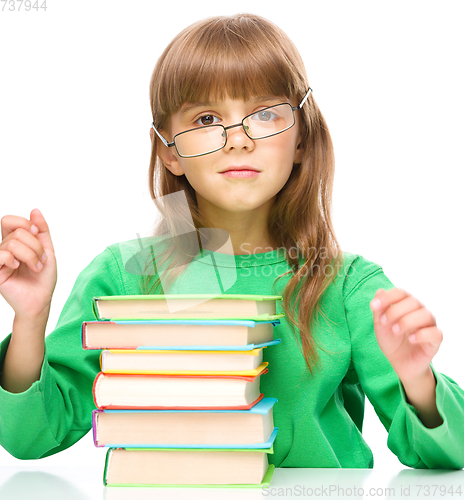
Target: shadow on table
{"x": 27, "y": 485}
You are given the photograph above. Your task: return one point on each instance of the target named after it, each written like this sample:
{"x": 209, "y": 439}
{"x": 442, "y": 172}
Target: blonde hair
{"x": 239, "y": 57}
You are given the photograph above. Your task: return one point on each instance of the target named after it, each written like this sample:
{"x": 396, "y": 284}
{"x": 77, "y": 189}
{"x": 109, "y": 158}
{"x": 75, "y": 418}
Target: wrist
{"x": 29, "y": 330}
{"x": 34, "y": 319}
{"x": 418, "y": 382}
{"x": 25, "y": 354}
{"x": 421, "y": 393}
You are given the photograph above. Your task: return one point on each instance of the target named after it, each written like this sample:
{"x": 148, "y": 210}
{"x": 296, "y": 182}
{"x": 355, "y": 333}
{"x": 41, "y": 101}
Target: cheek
{"x": 283, "y": 149}
{"x": 196, "y": 173}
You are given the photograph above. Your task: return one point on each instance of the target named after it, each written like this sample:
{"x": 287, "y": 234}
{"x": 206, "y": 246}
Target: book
{"x": 188, "y": 306}
{"x": 181, "y": 428}
{"x": 177, "y": 334}
{"x": 187, "y": 467}
{"x": 132, "y": 391}
{"x": 178, "y": 395}
{"x": 182, "y": 362}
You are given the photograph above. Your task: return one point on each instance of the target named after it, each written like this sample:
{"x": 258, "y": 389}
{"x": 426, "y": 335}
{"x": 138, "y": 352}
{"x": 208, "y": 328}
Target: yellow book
{"x": 183, "y": 362}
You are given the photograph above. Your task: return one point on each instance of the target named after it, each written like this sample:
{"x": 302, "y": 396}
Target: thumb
{"x": 39, "y": 221}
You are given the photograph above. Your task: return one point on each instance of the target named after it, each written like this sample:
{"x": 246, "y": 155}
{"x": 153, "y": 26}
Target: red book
{"x": 152, "y": 392}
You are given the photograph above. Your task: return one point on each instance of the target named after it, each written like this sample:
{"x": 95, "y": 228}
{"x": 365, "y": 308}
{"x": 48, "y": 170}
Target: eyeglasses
{"x": 264, "y": 123}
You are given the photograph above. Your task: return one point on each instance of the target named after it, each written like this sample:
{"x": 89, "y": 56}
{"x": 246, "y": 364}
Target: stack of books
{"x": 178, "y": 394}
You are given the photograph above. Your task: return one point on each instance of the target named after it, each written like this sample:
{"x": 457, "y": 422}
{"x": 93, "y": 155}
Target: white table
{"x": 85, "y": 483}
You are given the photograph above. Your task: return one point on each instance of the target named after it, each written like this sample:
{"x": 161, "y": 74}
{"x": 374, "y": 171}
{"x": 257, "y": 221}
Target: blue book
{"x": 179, "y": 334}
{"x": 224, "y": 428}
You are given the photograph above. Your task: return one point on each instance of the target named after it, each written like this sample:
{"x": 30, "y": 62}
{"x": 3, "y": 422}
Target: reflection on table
{"x": 85, "y": 483}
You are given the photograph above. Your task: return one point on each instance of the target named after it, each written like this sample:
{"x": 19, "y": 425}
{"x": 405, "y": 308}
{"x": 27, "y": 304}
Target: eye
{"x": 207, "y": 120}
{"x": 264, "y": 116}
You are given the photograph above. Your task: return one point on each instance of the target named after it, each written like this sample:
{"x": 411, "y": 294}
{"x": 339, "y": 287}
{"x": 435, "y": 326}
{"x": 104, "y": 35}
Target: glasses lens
{"x": 200, "y": 141}
{"x": 269, "y": 121}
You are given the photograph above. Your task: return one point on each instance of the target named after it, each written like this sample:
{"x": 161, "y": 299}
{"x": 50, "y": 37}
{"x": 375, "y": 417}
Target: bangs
{"x": 237, "y": 57}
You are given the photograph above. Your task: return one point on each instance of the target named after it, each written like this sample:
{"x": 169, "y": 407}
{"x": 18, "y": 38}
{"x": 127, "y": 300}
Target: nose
{"x": 237, "y": 139}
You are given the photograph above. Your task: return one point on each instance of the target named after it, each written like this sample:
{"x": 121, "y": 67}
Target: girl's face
{"x": 272, "y": 156}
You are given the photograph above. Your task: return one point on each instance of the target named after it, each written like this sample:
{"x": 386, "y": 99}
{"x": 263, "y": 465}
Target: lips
{"x": 241, "y": 167}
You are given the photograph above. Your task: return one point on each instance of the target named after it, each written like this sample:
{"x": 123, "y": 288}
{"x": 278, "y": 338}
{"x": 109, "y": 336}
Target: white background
{"x": 74, "y": 135}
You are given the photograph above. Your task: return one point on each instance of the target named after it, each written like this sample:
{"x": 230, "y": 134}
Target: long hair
{"x": 240, "y": 57}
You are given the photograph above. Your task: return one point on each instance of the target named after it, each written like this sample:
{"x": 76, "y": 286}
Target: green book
{"x": 188, "y": 467}
{"x": 187, "y": 306}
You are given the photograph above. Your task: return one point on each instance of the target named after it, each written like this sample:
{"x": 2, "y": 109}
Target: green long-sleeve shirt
{"x": 319, "y": 415}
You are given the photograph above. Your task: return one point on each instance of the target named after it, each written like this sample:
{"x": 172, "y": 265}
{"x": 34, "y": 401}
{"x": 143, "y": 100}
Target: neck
{"x": 247, "y": 229}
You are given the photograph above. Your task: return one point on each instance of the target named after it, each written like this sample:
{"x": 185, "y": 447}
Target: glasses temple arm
{"x": 165, "y": 142}
{"x": 304, "y": 98}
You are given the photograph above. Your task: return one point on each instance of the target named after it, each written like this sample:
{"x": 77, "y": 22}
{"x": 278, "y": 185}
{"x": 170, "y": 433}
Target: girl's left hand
{"x": 406, "y": 332}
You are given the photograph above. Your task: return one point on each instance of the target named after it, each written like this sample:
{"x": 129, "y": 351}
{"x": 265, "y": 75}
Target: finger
{"x": 43, "y": 234}
{"x": 416, "y": 320}
{"x": 396, "y": 311}
{"x": 7, "y": 259}
{"x": 383, "y": 299}
{"x": 431, "y": 335}
{"x": 23, "y": 253}
{"x": 28, "y": 239}
{"x": 11, "y": 222}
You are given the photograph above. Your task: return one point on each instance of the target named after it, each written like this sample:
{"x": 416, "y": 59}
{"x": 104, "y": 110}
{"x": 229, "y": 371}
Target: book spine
{"x": 94, "y": 390}
{"x": 94, "y": 428}
{"x": 107, "y": 462}
{"x": 84, "y": 335}
{"x": 95, "y": 310}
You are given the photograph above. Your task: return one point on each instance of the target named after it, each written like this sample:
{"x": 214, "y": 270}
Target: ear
{"x": 166, "y": 155}
{"x": 298, "y": 151}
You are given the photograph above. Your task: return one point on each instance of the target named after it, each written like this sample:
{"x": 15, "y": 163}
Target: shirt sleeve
{"x": 414, "y": 444}
{"x": 56, "y": 410}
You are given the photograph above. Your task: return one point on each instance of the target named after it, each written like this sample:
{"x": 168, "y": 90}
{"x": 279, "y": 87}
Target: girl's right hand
{"x": 27, "y": 285}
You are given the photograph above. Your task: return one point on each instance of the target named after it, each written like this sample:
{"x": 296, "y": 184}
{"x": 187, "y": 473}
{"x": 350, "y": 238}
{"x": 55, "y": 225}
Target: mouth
{"x": 239, "y": 167}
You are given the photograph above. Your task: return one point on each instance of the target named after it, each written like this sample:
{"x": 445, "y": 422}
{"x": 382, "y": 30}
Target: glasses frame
{"x": 241, "y": 124}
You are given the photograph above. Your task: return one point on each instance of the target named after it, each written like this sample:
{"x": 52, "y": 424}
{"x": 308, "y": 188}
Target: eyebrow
{"x": 191, "y": 106}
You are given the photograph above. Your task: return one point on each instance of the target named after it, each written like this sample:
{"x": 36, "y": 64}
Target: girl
{"x": 237, "y": 130}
